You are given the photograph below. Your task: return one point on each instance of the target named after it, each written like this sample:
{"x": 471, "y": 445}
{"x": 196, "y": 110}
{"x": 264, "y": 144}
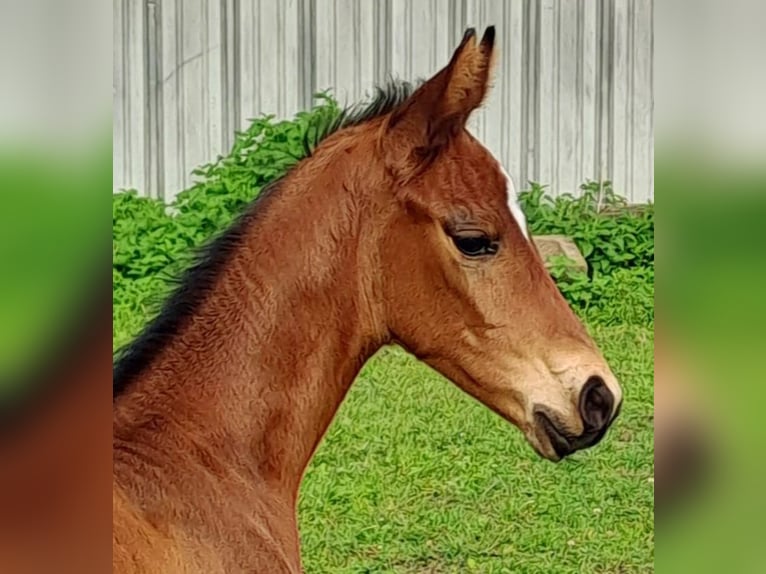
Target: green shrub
{"x": 609, "y": 236}
{"x": 617, "y": 243}
{"x": 153, "y": 242}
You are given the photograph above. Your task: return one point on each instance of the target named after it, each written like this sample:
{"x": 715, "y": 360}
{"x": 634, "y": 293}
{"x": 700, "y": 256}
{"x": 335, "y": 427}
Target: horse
{"x": 399, "y": 227}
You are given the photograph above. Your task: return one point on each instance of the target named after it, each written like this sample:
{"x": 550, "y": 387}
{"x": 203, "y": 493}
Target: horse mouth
{"x": 558, "y": 439}
{"x": 564, "y": 443}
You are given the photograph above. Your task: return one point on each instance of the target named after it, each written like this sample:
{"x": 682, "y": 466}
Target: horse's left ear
{"x": 416, "y": 131}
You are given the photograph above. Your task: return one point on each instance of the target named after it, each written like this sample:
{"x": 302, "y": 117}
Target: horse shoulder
{"x": 137, "y": 546}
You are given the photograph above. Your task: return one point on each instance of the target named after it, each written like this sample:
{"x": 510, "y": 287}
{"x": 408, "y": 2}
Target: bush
{"x": 617, "y": 243}
{"x": 153, "y": 242}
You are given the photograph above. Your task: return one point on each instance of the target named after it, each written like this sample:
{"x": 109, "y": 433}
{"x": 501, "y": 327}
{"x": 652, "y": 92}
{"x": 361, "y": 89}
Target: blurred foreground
{"x": 710, "y": 178}
{"x": 54, "y": 235}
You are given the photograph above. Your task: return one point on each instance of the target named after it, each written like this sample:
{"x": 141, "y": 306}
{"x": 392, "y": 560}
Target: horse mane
{"x": 191, "y": 290}
{"x": 195, "y": 284}
{"x": 385, "y": 99}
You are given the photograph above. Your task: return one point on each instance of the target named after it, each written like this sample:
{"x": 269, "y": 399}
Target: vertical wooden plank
{"x": 193, "y": 96}
{"x": 401, "y": 39}
{"x": 531, "y": 87}
{"x": 172, "y": 102}
{"x": 458, "y": 18}
{"x": 422, "y": 26}
{"x": 134, "y": 94}
{"x": 214, "y": 45}
{"x": 326, "y": 49}
{"x": 271, "y": 62}
{"x": 290, "y": 63}
{"x": 589, "y": 88}
{"x": 194, "y": 89}
{"x": 606, "y": 84}
{"x": 119, "y": 101}
{"x": 382, "y": 46}
{"x": 345, "y": 70}
{"x": 443, "y": 42}
{"x": 230, "y": 72}
{"x": 153, "y": 145}
{"x": 269, "y": 43}
{"x": 307, "y": 52}
{"x": 249, "y": 70}
{"x": 620, "y": 160}
{"x": 364, "y": 48}
{"x": 642, "y": 133}
{"x": 547, "y": 112}
{"x": 568, "y": 70}
{"x": 137, "y": 94}
{"x": 512, "y": 86}
{"x": 420, "y": 37}
{"x": 346, "y": 48}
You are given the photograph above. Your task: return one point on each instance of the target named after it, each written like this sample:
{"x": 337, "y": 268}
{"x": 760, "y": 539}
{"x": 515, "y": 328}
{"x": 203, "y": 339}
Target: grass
{"x": 415, "y": 476}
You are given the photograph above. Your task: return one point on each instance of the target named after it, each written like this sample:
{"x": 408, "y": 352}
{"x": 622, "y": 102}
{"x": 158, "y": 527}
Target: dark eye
{"x": 475, "y": 245}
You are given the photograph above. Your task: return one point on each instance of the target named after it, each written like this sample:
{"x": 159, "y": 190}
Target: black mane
{"x": 190, "y": 292}
{"x": 198, "y": 280}
{"x": 385, "y": 99}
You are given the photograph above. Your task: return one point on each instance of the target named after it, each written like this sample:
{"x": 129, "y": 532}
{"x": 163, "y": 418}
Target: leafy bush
{"x": 153, "y": 241}
{"x": 617, "y": 243}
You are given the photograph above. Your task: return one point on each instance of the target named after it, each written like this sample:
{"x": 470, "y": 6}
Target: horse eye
{"x": 475, "y": 245}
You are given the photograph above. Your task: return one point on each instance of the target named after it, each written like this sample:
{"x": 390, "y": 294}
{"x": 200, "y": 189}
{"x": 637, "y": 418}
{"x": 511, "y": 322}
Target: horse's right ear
{"x": 415, "y": 131}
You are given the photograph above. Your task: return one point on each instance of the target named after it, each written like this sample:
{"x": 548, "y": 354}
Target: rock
{"x": 552, "y": 245}
{"x": 631, "y": 209}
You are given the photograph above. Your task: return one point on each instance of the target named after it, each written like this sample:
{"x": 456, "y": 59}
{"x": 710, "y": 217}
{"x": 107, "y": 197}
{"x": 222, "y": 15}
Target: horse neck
{"x": 256, "y": 376}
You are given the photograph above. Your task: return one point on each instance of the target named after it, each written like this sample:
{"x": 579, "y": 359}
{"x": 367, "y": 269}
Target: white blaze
{"x": 513, "y": 202}
{"x": 513, "y": 199}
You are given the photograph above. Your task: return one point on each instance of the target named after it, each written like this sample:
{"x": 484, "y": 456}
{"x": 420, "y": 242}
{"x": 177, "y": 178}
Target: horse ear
{"x": 416, "y": 131}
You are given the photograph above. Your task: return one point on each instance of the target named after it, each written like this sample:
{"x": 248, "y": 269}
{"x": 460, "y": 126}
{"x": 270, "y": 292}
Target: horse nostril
{"x": 596, "y": 404}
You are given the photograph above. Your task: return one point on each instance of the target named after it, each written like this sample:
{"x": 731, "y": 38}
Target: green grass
{"x": 415, "y": 476}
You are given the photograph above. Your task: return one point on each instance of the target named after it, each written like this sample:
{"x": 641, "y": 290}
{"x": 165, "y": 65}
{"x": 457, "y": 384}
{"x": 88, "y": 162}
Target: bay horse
{"x": 399, "y": 227}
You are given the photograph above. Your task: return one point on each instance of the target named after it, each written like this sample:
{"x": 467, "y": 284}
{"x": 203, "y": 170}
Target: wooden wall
{"x": 573, "y": 97}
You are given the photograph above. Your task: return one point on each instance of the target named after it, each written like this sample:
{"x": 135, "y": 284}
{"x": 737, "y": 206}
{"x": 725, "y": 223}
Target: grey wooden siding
{"x": 572, "y": 98}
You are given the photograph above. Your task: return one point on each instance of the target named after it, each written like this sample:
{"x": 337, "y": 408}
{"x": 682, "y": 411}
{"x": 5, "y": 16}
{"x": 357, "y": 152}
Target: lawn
{"x": 415, "y": 476}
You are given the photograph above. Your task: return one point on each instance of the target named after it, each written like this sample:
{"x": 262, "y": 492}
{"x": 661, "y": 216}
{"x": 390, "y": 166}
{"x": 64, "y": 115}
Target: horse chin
{"x": 541, "y": 441}
{"x": 535, "y": 436}
{"x": 544, "y": 449}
